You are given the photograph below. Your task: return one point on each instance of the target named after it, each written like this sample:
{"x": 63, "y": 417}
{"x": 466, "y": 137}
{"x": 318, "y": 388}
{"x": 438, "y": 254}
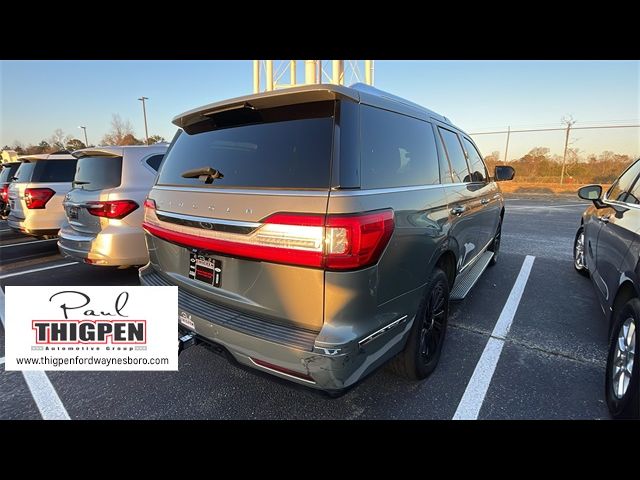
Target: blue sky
{"x": 39, "y": 96}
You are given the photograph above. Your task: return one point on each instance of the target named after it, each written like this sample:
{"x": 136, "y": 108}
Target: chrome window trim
{"x": 265, "y": 192}
{"x": 211, "y": 220}
{"x": 372, "y": 191}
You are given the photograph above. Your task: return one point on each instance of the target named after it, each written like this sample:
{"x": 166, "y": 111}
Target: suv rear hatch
{"x": 41, "y": 184}
{"x": 97, "y": 174}
{"x": 237, "y": 213}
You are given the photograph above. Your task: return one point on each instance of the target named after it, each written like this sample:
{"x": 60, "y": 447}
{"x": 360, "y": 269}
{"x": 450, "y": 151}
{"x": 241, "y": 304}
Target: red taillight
{"x": 116, "y": 209}
{"x": 4, "y": 193}
{"x": 150, "y": 203}
{"x": 357, "y": 241}
{"x": 36, "y": 198}
{"x": 334, "y": 242}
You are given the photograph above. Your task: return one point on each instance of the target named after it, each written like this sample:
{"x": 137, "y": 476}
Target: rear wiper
{"x": 205, "y": 174}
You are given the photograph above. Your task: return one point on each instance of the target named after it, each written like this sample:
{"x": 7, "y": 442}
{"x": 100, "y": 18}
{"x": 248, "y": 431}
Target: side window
{"x": 460, "y": 170}
{"x": 618, "y": 191}
{"x": 478, "y": 169}
{"x": 445, "y": 167}
{"x": 154, "y": 161}
{"x": 397, "y": 151}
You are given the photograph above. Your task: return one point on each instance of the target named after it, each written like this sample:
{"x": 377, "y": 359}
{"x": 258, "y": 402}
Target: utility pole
{"x": 569, "y": 122}
{"x": 144, "y": 112}
{"x": 86, "y": 142}
{"x": 506, "y": 148}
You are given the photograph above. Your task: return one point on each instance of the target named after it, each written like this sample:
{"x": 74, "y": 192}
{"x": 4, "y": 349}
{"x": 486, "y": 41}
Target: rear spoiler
{"x": 276, "y": 98}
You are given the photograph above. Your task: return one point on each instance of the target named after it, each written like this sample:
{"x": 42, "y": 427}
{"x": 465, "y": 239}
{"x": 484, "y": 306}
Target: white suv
{"x": 36, "y": 195}
{"x": 104, "y": 211}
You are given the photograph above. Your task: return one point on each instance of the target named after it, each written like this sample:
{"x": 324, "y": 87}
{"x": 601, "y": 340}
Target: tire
{"x": 623, "y": 396}
{"x": 579, "y": 256}
{"x": 495, "y": 244}
{"x": 424, "y": 345}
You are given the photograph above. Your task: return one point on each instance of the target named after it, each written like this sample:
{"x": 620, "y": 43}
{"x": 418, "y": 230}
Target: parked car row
{"x": 317, "y": 233}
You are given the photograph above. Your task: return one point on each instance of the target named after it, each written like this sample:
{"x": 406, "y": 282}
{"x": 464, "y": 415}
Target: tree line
{"x": 539, "y": 166}
{"x": 121, "y": 133}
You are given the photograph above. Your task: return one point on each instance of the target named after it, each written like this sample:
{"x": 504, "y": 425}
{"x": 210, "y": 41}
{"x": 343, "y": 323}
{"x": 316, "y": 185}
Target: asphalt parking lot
{"x": 548, "y": 365}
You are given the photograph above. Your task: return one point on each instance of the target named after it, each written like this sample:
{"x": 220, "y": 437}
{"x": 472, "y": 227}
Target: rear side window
{"x": 51, "y": 171}
{"x": 618, "y": 191}
{"x": 98, "y": 173}
{"x": 281, "y": 148}
{"x": 8, "y": 172}
{"x": 154, "y": 161}
{"x": 24, "y": 172}
{"x": 459, "y": 168}
{"x": 478, "y": 170}
{"x": 397, "y": 151}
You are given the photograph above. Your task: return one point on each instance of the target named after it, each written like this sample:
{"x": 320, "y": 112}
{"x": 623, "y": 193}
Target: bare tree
{"x": 59, "y": 139}
{"x": 121, "y": 131}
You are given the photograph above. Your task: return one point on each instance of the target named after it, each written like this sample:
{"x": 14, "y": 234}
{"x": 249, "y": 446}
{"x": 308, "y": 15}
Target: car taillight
{"x": 333, "y": 242}
{"x": 4, "y": 193}
{"x": 116, "y": 209}
{"x": 37, "y": 198}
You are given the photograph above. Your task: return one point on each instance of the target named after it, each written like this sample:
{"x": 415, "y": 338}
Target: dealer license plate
{"x": 205, "y": 268}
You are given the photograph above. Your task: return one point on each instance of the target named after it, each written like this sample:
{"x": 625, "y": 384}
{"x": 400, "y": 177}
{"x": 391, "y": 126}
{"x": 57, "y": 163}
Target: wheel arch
{"x": 626, "y": 292}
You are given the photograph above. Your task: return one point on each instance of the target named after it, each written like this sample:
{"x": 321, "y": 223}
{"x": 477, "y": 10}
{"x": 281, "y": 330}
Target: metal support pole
{"x": 269, "y": 75}
{"x": 256, "y": 76}
{"x": 144, "y": 112}
{"x": 368, "y": 72}
{"x": 309, "y": 71}
{"x": 506, "y": 148}
{"x": 292, "y": 70}
{"x": 318, "y": 71}
{"x": 337, "y": 72}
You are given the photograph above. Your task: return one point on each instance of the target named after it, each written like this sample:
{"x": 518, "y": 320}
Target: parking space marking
{"x": 42, "y": 391}
{"x": 474, "y": 394}
{"x": 34, "y": 270}
{"x": 5, "y": 230}
{"x": 29, "y": 243}
{"x": 545, "y": 207}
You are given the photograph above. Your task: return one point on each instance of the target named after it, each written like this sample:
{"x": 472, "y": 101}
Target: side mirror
{"x": 504, "y": 173}
{"x": 593, "y": 193}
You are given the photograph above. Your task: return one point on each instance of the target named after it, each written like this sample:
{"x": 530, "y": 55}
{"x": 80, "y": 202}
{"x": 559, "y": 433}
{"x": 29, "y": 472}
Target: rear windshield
{"x": 47, "y": 171}
{"x": 98, "y": 173}
{"x": 8, "y": 171}
{"x": 290, "y": 153}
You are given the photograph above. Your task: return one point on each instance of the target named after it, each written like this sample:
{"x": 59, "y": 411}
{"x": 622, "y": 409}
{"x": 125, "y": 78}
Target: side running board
{"x": 466, "y": 280}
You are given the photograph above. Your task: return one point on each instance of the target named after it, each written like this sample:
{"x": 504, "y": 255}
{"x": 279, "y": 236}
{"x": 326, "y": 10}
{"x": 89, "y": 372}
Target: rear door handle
{"x": 458, "y": 210}
{"x": 604, "y": 218}
{"x": 484, "y": 201}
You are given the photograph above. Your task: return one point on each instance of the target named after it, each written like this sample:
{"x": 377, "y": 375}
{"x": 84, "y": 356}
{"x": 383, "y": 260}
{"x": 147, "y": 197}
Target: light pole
{"x": 86, "y": 142}
{"x": 144, "y": 112}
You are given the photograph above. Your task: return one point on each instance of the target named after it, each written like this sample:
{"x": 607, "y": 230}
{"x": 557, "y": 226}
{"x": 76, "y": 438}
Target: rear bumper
{"x": 32, "y": 225}
{"x": 261, "y": 344}
{"x": 113, "y": 246}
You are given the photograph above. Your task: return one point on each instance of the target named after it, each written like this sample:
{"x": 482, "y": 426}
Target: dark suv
{"x": 319, "y": 231}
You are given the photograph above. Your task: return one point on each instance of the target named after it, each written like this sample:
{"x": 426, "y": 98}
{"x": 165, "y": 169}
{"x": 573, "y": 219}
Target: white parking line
{"x": 539, "y": 207}
{"x": 473, "y": 397}
{"x": 33, "y": 270}
{"x": 42, "y": 391}
{"x": 29, "y": 243}
{"x": 5, "y": 230}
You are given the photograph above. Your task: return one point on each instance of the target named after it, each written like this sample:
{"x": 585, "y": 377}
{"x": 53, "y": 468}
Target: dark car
{"x": 607, "y": 248}
{"x": 7, "y": 173}
{"x": 317, "y": 232}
